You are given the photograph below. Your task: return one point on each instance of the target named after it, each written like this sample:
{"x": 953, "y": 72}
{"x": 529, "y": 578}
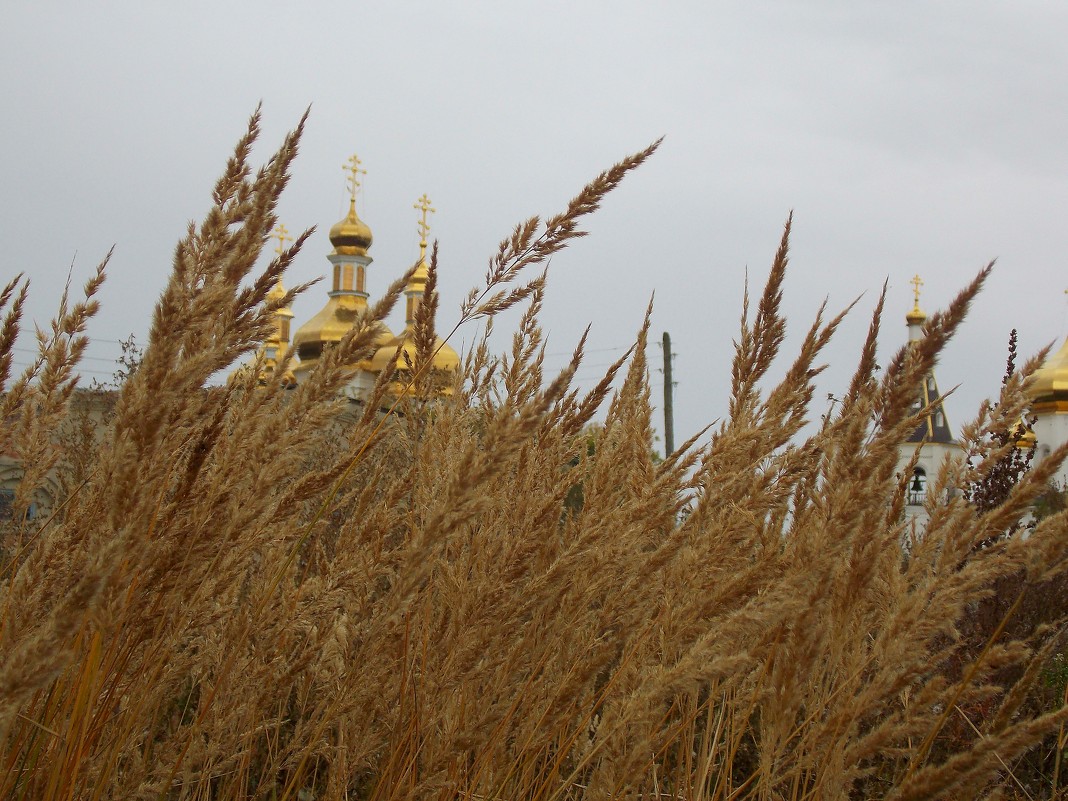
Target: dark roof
{"x": 935, "y": 425}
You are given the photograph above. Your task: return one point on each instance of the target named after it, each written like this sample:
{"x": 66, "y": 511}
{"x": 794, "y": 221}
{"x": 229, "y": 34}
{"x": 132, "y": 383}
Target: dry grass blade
{"x": 12, "y": 317}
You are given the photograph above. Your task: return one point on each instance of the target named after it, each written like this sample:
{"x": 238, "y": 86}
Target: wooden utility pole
{"x": 669, "y": 415}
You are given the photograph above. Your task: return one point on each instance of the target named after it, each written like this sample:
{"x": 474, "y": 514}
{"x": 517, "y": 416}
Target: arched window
{"x": 917, "y": 489}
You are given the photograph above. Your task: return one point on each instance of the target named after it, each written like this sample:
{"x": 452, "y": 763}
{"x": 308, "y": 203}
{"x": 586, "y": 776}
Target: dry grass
{"x": 240, "y": 598}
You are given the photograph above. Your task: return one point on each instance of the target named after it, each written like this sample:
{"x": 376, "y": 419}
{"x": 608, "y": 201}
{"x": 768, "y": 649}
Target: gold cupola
{"x": 277, "y": 344}
{"x": 401, "y": 349}
{"x": 1049, "y": 385}
{"x": 347, "y": 298}
{"x": 352, "y": 236}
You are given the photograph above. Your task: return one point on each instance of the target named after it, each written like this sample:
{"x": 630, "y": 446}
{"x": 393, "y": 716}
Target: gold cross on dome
{"x": 352, "y": 167}
{"x": 281, "y": 233}
{"x": 423, "y": 205}
{"x": 916, "y": 282}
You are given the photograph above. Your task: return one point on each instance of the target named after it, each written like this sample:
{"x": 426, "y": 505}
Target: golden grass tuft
{"x": 491, "y": 596}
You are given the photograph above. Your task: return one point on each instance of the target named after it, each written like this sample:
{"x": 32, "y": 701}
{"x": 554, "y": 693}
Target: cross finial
{"x": 917, "y": 282}
{"x": 352, "y": 167}
{"x": 423, "y": 205}
{"x": 281, "y": 233}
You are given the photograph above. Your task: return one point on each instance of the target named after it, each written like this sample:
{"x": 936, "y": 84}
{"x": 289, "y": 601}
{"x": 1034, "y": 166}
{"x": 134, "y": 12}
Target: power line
{"x": 93, "y": 340}
{"x": 582, "y": 366}
{"x": 588, "y": 350}
{"x": 24, "y": 365}
{"x": 83, "y": 358}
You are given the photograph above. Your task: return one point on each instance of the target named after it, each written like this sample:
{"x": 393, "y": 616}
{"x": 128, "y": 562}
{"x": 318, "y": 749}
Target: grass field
{"x": 500, "y": 593}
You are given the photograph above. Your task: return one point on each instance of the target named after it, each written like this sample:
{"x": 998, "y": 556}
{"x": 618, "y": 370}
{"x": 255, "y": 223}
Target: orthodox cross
{"x": 423, "y": 205}
{"x": 916, "y": 282}
{"x": 352, "y": 167}
{"x": 281, "y": 233}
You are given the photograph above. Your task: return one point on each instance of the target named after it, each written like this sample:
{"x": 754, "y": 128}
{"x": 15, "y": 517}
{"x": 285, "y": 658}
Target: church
{"x": 347, "y": 299}
{"x": 933, "y": 441}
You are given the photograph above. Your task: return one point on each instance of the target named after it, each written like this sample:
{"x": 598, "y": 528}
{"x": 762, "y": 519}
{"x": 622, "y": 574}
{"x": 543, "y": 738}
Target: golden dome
{"x": 1050, "y": 381}
{"x": 351, "y": 236}
{"x": 277, "y": 292}
{"x": 417, "y": 283}
{"x": 332, "y": 322}
{"x": 274, "y": 296}
{"x": 445, "y": 358}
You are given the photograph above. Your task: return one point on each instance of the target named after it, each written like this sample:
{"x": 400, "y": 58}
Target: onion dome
{"x": 916, "y": 316}
{"x": 282, "y": 314}
{"x": 276, "y": 294}
{"x": 347, "y": 299}
{"x": 351, "y": 236}
{"x": 417, "y": 283}
{"x": 445, "y": 358}
{"x": 277, "y": 344}
{"x": 332, "y": 322}
{"x": 1050, "y": 382}
{"x": 401, "y": 351}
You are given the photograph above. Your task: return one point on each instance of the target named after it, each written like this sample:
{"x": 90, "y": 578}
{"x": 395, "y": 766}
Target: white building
{"x": 933, "y": 438}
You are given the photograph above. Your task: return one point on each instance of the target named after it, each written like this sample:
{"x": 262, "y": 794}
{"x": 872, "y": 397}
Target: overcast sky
{"x": 908, "y": 137}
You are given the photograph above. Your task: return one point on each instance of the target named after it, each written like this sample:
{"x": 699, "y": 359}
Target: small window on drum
{"x": 917, "y": 489}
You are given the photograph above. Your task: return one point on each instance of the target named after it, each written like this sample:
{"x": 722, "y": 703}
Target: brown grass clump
{"x": 238, "y": 597}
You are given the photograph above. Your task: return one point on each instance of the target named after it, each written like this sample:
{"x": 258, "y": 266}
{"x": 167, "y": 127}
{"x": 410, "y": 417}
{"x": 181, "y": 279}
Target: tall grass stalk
{"x": 486, "y": 594}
